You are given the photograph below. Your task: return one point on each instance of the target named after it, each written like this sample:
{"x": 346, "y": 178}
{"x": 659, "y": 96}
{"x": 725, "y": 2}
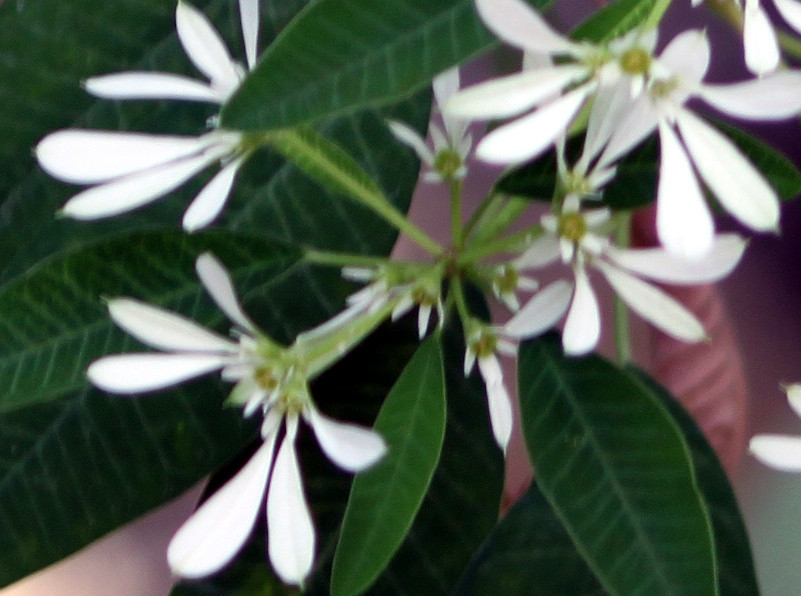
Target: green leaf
{"x": 614, "y": 466}
{"x": 384, "y": 500}
{"x": 615, "y": 19}
{"x": 529, "y": 553}
{"x": 735, "y": 564}
{"x": 341, "y": 55}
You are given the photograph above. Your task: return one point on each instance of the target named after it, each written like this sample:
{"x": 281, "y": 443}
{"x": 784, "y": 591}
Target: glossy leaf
{"x": 735, "y": 564}
{"x": 385, "y": 499}
{"x": 341, "y": 55}
{"x": 529, "y": 553}
{"x": 615, "y": 468}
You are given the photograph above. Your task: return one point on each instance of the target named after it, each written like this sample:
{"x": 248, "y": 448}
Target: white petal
{"x": 544, "y": 251}
{"x": 512, "y": 94}
{"x": 411, "y": 138}
{"x": 790, "y": 11}
{"x": 500, "y": 405}
{"x": 777, "y": 451}
{"x": 527, "y": 137}
{"x": 654, "y": 305}
{"x": 291, "y": 537}
{"x": 165, "y": 330}
{"x": 773, "y": 97}
{"x": 211, "y": 199}
{"x": 469, "y": 361}
{"x": 611, "y": 108}
{"x": 353, "y": 448}
{"x": 217, "y": 281}
{"x": 761, "y": 46}
{"x": 687, "y": 55}
{"x": 542, "y": 312}
{"x": 218, "y": 529}
{"x": 520, "y": 25}
{"x": 683, "y": 222}
{"x": 139, "y": 373}
{"x": 794, "y": 397}
{"x": 423, "y": 316}
{"x": 91, "y": 156}
{"x": 583, "y": 325}
{"x": 736, "y": 183}
{"x": 205, "y": 47}
{"x": 446, "y": 85}
{"x": 124, "y": 194}
{"x": 249, "y": 17}
{"x": 661, "y": 265}
{"x": 641, "y": 119}
{"x": 151, "y": 85}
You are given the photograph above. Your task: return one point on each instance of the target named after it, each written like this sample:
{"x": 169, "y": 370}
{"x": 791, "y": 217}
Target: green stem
{"x": 456, "y": 213}
{"x": 790, "y": 44}
{"x": 459, "y": 299}
{"x": 621, "y": 311}
{"x": 508, "y": 243}
{"x": 336, "y": 259}
{"x": 482, "y": 207}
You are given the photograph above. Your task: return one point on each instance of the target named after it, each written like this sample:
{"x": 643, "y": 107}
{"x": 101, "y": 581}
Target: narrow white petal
{"x": 423, "y": 316}
{"x": 469, "y": 361}
{"x": 683, "y": 222}
{"x": 773, "y": 97}
{"x": 790, "y": 10}
{"x": 529, "y": 136}
{"x": 610, "y": 109}
{"x": 761, "y": 46}
{"x": 640, "y": 120}
{"x": 353, "y": 448}
{"x": 411, "y": 138}
{"x": 520, "y": 25}
{"x": 654, "y": 305}
{"x": 249, "y": 17}
{"x": 291, "y": 537}
{"x": 583, "y": 324}
{"x": 217, "y": 281}
{"x": 218, "y": 529}
{"x": 210, "y": 201}
{"x": 128, "y": 193}
{"x": 542, "y": 312}
{"x": 139, "y": 373}
{"x": 544, "y": 251}
{"x": 498, "y": 401}
{"x": 736, "y": 183}
{"x": 165, "y": 330}
{"x": 91, "y": 156}
{"x": 794, "y": 397}
{"x": 661, "y": 265}
{"x": 446, "y": 85}
{"x": 777, "y": 451}
{"x": 512, "y": 94}
{"x": 205, "y": 47}
{"x": 151, "y": 85}
{"x": 687, "y": 55}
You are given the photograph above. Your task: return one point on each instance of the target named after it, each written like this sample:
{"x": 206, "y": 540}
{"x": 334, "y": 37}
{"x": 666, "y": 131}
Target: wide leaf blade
{"x": 384, "y": 500}
{"x": 615, "y": 468}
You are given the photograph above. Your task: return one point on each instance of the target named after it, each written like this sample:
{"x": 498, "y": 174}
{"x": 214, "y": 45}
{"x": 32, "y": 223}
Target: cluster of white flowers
{"x": 269, "y": 378}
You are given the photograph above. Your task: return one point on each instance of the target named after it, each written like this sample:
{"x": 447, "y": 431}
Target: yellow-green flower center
{"x": 265, "y": 378}
{"x": 484, "y": 346}
{"x": 447, "y": 163}
{"x": 572, "y": 226}
{"x": 664, "y": 87}
{"x": 635, "y": 61}
{"x": 506, "y": 280}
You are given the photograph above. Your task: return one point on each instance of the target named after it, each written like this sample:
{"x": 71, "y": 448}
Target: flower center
{"x": 423, "y": 297}
{"x": 485, "y": 345}
{"x": 265, "y": 378}
{"x": 507, "y": 279}
{"x": 447, "y": 163}
{"x": 572, "y": 226}
{"x": 635, "y": 61}
{"x": 664, "y": 87}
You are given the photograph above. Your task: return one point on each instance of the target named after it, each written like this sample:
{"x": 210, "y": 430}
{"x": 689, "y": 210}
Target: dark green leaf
{"x": 529, "y": 553}
{"x": 614, "y": 20}
{"x": 340, "y": 55}
{"x": 735, "y": 565}
{"x": 614, "y": 466}
{"x": 384, "y": 500}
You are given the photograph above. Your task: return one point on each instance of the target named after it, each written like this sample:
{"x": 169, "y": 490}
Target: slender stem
{"x": 459, "y": 299}
{"x": 621, "y": 311}
{"x": 790, "y": 44}
{"x": 456, "y": 213}
{"x": 476, "y": 215}
{"x": 321, "y": 257}
{"x": 388, "y": 211}
{"x": 504, "y": 244}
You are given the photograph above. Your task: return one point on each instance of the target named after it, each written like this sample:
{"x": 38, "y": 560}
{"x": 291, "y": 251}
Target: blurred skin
{"x": 708, "y": 378}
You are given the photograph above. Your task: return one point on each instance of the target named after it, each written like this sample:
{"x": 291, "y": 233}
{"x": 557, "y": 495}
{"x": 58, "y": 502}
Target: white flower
{"x": 269, "y": 378}
{"x": 483, "y": 343}
{"x": 580, "y": 239}
{"x": 557, "y": 91}
{"x": 684, "y": 223}
{"x": 416, "y": 286}
{"x": 782, "y": 452}
{"x": 130, "y": 170}
{"x": 451, "y": 146}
